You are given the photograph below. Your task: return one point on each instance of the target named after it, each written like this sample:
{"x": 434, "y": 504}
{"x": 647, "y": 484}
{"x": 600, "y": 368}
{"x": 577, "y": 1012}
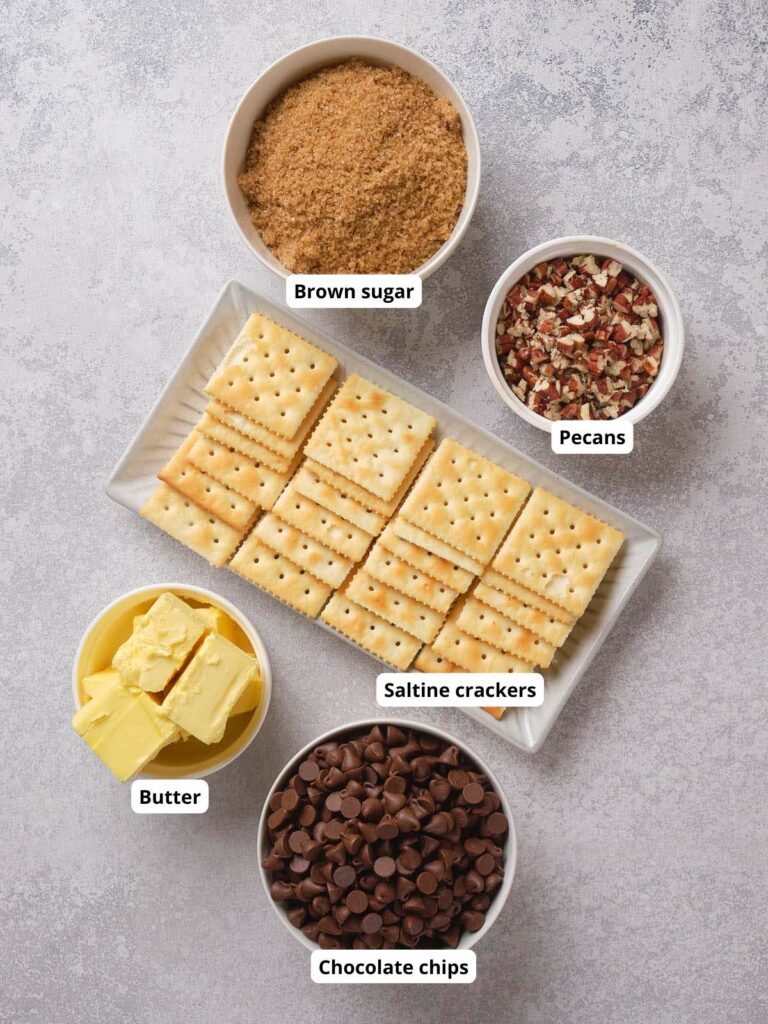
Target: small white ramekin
{"x": 302, "y": 62}
{"x": 468, "y": 939}
{"x": 89, "y": 658}
{"x": 670, "y": 318}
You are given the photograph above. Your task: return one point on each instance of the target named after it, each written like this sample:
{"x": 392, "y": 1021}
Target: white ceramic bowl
{"x": 302, "y": 62}
{"x": 670, "y": 318}
{"x": 468, "y": 939}
{"x": 190, "y": 759}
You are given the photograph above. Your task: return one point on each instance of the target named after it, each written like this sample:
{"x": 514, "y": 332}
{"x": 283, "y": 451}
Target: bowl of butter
{"x": 170, "y": 682}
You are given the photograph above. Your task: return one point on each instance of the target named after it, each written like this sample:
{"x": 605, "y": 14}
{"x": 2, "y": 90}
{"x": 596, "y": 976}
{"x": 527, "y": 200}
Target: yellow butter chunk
{"x": 203, "y": 696}
{"x": 161, "y": 641}
{"x": 219, "y": 622}
{"x": 250, "y": 698}
{"x": 95, "y": 683}
{"x": 124, "y": 727}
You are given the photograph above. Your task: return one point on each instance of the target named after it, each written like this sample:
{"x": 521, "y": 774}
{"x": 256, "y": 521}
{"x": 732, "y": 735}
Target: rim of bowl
{"x": 245, "y": 624}
{"x": 468, "y": 939}
{"x": 643, "y": 268}
{"x": 469, "y": 130}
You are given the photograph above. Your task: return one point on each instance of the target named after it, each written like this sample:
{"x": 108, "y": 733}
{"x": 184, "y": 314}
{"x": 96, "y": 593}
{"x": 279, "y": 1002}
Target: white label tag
{"x": 169, "y": 796}
{"x": 353, "y": 291}
{"x": 459, "y": 689}
{"x": 387, "y": 966}
{"x": 593, "y": 437}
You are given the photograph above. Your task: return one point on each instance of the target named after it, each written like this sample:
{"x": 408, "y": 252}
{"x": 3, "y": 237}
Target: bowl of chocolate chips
{"x": 387, "y": 835}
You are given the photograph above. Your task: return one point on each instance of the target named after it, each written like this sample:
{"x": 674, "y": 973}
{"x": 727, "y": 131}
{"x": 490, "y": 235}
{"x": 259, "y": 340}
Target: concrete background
{"x": 641, "y": 892}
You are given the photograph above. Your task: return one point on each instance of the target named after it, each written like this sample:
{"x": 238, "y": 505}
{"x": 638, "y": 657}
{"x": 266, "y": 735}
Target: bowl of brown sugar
{"x": 352, "y": 155}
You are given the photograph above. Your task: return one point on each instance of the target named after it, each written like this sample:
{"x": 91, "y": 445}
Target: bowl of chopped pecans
{"x": 582, "y": 328}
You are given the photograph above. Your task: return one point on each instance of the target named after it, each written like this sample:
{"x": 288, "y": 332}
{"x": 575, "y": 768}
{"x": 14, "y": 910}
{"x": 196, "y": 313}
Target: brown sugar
{"x": 356, "y": 170}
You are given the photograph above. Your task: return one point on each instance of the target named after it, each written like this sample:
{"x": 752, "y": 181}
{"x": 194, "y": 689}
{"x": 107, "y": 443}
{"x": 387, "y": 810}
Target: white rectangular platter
{"x": 181, "y": 404}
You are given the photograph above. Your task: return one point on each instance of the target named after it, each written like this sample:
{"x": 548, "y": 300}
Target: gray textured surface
{"x": 641, "y": 893}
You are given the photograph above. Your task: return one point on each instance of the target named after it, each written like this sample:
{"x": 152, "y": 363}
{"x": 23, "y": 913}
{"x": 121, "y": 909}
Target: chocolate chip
{"x": 357, "y": 901}
{"x": 395, "y": 737}
{"x": 474, "y": 881}
{"x": 372, "y": 808}
{"x": 426, "y": 883}
{"x": 408, "y": 861}
{"x": 351, "y": 841}
{"x": 412, "y": 925}
{"x": 276, "y": 800}
{"x": 395, "y": 784}
{"x": 387, "y": 828}
{"x": 444, "y": 899}
{"x": 439, "y": 789}
{"x": 485, "y": 864}
{"x": 307, "y": 815}
{"x": 344, "y": 876}
{"x": 333, "y": 830}
{"x": 475, "y": 846}
{"x": 281, "y": 891}
{"x": 277, "y": 819}
{"x": 393, "y": 802}
{"x": 350, "y": 807}
{"x": 336, "y": 854}
{"x": 386, "y": 893}
{"x": 493, "y": 881}
{"x": 473, "y": 793}
{"x": 384, "y": 867}
{"x": 438, "y": 824}
{"x": 350, "y": 761}
{"x": 472, "y": 920}
{"x": 296, "y": 841}
{"x": 372, "y": 923}
{"x": 497, "y": 824}
{"x": 407, "y": 820}
{"x": 309, "y": 770}
{"x": 458, "y": 778}
{"x": 375, "y": 751}
{"x": 449, "y": 756}
{"x": 297, "y": 916}
{"x": 333, "y": 802}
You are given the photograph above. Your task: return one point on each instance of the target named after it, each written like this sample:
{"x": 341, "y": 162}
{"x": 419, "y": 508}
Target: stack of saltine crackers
{"x": 334, "y": 500}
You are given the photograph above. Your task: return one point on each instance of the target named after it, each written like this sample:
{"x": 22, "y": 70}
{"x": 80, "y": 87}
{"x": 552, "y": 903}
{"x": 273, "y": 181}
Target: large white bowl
{"x": 670, "y": 318}
{"x": 302, "y": 62}
{"x": 468, "y": 939}
{"x": 114, "y": 623}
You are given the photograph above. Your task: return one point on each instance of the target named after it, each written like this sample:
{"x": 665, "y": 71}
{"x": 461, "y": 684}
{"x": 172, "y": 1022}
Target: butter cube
{"x": 202, "y": 698}
{"x": 250, "y": 698}
{"x": 161, "y": 641}
{"x": 124, "y": 727}
{"x": 217, "y": 621}
{"x": 95, "y": 683}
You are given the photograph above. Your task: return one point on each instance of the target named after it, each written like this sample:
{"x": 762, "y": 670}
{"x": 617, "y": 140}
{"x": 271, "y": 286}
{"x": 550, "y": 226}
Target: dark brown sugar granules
{"x": 356, "y": 169}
